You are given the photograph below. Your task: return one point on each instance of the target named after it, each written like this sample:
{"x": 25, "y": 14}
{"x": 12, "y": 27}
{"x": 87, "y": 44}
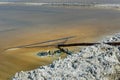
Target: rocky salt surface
{"x": 98, "y": 62}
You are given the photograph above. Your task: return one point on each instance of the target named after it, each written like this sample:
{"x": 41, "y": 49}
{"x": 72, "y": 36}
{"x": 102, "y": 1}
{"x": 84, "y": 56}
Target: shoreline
{"x": 21, "y": 55}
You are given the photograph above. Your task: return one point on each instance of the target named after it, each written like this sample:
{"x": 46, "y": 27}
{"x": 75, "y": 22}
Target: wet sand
{"x": 89, "y": 29}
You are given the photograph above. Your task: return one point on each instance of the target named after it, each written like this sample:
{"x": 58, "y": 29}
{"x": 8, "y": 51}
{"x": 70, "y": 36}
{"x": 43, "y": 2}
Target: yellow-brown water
{"x": 26, "y": 26}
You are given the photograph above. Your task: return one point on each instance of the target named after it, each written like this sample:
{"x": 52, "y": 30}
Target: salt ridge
{"x": 98, "y": 62}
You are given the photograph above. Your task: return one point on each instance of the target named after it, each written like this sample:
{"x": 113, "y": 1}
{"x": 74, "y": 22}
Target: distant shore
{"x": 95, "y": 5}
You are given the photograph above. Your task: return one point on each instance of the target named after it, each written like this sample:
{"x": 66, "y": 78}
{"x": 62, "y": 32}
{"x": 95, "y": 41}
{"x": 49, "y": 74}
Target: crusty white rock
{"x": 98, "y": 62}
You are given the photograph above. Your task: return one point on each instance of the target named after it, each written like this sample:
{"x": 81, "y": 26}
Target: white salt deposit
{"x": 12, "y": 49}
{"x": 98, "y": 62}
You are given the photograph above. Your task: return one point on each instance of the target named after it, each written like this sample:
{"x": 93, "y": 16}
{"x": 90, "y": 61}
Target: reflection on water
{"x": 22, "y": 25}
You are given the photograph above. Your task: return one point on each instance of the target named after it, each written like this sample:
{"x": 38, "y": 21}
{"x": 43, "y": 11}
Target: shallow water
{"x": 22, "y": 25}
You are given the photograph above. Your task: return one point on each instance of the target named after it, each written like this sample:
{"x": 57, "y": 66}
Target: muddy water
{"x": 22, "y": 25}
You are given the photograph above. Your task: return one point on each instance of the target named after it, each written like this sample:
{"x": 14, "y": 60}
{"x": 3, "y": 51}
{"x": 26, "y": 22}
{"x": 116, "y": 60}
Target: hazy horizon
{"x": 83, "y": 1}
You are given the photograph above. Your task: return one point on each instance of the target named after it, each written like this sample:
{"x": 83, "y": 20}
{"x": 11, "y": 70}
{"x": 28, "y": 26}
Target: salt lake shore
{"x": 97, "y": 62}
{"x": 93, "y": 4}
